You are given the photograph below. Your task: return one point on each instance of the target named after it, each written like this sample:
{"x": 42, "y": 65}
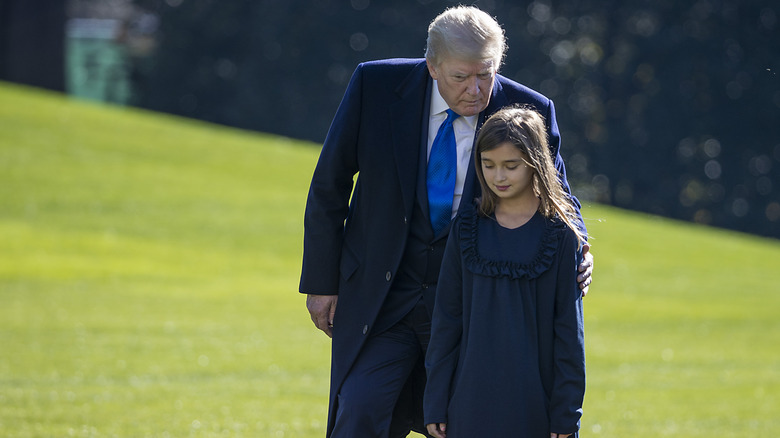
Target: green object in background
{"x": 96, "y": 63}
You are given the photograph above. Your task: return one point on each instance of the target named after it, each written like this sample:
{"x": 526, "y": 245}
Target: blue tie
{"x": 442, "y": 168}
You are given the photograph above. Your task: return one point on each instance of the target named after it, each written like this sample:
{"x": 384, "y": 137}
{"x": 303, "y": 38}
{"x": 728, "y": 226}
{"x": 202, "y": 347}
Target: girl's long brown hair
{"x": 525, "y": 128}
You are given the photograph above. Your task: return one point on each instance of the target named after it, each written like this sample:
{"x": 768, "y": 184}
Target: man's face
{"x": 466, "y": 86}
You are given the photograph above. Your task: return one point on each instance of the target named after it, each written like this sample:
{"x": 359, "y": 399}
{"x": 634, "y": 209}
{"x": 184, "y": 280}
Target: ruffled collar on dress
{"x": 476, "y": 263}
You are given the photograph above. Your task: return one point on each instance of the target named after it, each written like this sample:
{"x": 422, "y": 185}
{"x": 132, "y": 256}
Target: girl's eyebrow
{"x": 506, "y": 161}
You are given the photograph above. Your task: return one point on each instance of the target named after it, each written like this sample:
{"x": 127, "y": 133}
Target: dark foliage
{"x": 671, "y": 108}
{"x": 32, "y": 41}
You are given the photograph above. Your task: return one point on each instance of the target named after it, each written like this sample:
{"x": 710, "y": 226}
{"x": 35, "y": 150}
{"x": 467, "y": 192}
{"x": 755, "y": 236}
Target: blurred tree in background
{"x": 32, "y": 34}
{"x": 671, "y": 108}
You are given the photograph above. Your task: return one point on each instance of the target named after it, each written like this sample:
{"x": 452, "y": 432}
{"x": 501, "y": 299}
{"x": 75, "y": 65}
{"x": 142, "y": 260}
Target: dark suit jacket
{"x": 353, "y": 248}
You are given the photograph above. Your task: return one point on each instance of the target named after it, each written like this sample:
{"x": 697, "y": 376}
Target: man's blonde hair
{"x": 466, "y": 33}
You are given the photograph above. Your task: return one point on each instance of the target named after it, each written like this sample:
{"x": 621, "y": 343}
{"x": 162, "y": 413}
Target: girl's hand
{"x": 559, "y": 435}
{"x": 437, "y": 430}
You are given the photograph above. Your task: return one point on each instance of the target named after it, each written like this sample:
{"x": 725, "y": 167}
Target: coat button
{"x": 365, "y": 329}
{"x": 388, "y": 276}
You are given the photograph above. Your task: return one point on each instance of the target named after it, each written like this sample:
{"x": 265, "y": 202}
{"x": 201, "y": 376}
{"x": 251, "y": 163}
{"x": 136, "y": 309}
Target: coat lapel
{"x": 410, "y": 110}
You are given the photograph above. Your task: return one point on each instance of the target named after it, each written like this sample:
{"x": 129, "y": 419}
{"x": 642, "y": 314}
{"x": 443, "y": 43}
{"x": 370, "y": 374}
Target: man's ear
{"x": 432, "y": 69}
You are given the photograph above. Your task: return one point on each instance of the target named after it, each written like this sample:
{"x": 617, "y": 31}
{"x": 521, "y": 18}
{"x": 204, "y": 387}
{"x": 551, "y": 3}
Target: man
{"x": 372, "y": 257}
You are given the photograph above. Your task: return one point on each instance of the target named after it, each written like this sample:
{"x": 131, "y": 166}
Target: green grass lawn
{"x": 148, "y": 287}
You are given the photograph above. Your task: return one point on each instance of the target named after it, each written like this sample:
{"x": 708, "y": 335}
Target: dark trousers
{"x": 378, "y": 379}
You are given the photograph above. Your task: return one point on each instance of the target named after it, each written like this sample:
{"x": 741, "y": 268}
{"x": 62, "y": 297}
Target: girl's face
{"x": 506, "y": 172}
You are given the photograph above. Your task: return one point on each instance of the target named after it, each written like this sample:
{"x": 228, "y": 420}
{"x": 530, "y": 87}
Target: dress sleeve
{"x": 446, "y": 329}
{"x": 569, "y": 344}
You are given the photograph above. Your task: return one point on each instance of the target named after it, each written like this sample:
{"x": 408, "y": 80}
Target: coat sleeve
{"x": 327, "y": 205}
{"x": 569, "y": 343}
{"x": 446, "y": 330}
{"x": 554, "y": 138}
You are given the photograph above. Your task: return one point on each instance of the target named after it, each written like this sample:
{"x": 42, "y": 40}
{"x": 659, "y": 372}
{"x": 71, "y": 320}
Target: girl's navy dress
{"x": 506, "y": 356}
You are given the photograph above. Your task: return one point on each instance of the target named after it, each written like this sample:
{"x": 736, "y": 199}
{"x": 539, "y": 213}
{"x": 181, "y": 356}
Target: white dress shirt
{"x": 464, "y": 128}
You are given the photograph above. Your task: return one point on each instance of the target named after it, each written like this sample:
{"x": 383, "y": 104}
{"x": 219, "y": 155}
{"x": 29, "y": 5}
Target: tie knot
{"x": 451, "y": 115}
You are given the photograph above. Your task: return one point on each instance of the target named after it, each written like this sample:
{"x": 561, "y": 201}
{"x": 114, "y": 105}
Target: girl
{"x": 506, "y": 355}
